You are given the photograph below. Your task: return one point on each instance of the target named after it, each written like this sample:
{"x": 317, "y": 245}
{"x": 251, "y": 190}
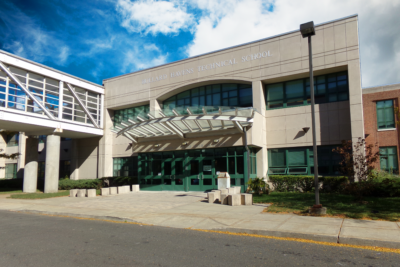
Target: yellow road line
{"x": 378, "y": 249}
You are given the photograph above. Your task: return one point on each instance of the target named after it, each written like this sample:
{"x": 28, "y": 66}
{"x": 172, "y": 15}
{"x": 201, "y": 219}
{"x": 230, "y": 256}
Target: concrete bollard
{"x": 217, "y": 194}
{"x": 113, "y": 190}
{"x": 135, "y": 188}
{"x": 231, "y": 190}
{"x": 224, "y": 191}
{"x": 234, "y": 200}
{"x": 238, "y": 189}
{"x": 127, "y": 189}
{"x": 121, "y": 190}
{"x": 73, "y": 192}
{"x": 247, "y": 199}
{"x": 105, "y": 191}
{"x": 81, "y": 193}
{"x": 211, "y": 197}
{"x": 224, "y": 199}
{"x": 91, "y": 193}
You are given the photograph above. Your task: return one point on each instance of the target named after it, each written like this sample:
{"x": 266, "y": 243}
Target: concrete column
{"x": 21, "y": 157}
{"x": 3, "y": 147}
{"x": 258, "y": 97}
{"x": 31, "y": 165}
{"x": 262, "y": 162}
{"x": 52, "y": 164}
{"x": 154, "y": 106}
{"x": 259, "y": 129}
{"x": 106, "y": 146}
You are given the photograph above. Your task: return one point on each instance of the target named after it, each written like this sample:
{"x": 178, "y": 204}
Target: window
{"x": 388, "y": 159}
{"x": 230, "y": 95}
{"x": 12, "y": 139}
{"x": 42, "y": 139}
{"x": 65, "y": 169}
{"x": 11, "y": 171}
{"x": 300, "y": 160}
{"x": 385, "y": 114}
{"x": 327, "y": 88}
{"x": 130, "y": 113}
{"x": 125, "y": 166}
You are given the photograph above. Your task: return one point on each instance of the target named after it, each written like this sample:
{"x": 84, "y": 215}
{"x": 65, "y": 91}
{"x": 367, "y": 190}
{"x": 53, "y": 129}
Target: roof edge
{"x": 49, "y": 68}
{"x": 223, "y": 49}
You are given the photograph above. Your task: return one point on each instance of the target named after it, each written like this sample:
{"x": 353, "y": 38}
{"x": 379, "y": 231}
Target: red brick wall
{"x": 382, "y": 138}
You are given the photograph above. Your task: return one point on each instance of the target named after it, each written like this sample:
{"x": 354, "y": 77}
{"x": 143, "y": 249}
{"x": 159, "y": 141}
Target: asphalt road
{"x": 37, "y": 240}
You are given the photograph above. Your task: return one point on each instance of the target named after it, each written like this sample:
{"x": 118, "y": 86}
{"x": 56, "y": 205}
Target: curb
{"x": 318, "y": 238}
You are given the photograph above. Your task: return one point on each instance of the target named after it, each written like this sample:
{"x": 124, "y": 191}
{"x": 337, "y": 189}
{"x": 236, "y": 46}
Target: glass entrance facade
{"x": 192, "y": 170}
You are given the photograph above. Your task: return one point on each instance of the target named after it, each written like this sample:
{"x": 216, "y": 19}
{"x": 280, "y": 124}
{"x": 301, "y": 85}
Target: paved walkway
{"x": 190, "y": 210}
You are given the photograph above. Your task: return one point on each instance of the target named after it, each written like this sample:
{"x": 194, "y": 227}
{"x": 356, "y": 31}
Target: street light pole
{"x": 308, "y": 30}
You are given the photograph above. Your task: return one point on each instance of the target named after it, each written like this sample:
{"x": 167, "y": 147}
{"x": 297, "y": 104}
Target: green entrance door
{"x": 207, "y": 181}
{"x": 167, "y": 174}
{"x": 200, "y": 172}
{"x": 179, "y": 180}
{"x": 191, "y": 170}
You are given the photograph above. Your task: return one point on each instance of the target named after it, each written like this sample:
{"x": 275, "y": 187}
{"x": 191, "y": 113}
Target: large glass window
{"x": 125, "y": 166}
{"x": 130, "y": 113}
{"x": 232, "y": 95}
{"x": 327, "y": 88}
{"x": 388, "y": 159}
{"x": 65, "y": 169}
{"x": 385, "y": 114}
{"x": 12, "y": 139}
{"x": 11, "y": 171}
{"x": 300, "y": 160}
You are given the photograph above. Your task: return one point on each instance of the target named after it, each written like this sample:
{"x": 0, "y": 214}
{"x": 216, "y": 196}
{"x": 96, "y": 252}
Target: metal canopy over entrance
{"x": 181, "y": 121}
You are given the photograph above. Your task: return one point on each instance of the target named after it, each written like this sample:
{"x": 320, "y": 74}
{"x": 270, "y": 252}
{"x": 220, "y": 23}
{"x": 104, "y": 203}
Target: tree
{"x": 358, "y": 160}
{"x": 5, "y": 135}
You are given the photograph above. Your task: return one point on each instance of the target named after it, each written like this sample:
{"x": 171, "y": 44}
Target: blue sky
{"x": 96, "y": 40}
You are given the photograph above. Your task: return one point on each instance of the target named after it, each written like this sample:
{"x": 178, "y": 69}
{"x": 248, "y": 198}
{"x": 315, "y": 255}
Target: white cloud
{"x": 33, "y": 42}
{"x": 150, "y": 16}
{"x": 135, "y": 59}
{"x": 227, "y": 23}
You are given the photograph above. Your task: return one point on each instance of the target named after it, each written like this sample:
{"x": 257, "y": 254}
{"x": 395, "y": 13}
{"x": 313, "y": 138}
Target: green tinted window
{"x": 232, "y": 95}
{"x": 388, "y": 159}
{"x": 327, "y": 88}
{"x": 385, "y": 114}
{"x": 130, "y": 113}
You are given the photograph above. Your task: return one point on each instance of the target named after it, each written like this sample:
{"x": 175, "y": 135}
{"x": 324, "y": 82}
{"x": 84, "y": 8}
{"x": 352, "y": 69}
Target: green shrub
{"x": 334, "y": 184}
{"x": 257, "y": 185}
{"x": 120, "y": 180}
{"x": 305, "y": 183}
{"x": 67, "y": 184}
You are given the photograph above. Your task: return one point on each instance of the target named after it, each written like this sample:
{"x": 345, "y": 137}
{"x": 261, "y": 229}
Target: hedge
{"x": 63, "y": 184}
{"x": 305, "y": 183}
{"x": 67, "y": 184}
{"x": 120, "y": 180}
{"x": 389, "y": 187}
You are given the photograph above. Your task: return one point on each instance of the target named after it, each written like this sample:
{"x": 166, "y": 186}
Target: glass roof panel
{"x": 181, "y": 126}
{"x": 192, "y": 124}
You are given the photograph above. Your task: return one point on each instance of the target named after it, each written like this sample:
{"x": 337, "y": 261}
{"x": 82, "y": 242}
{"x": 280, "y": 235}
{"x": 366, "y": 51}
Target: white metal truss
{"x": 237, "y": 118}
{"x": 31, "y": 96}
{"x": 71, "y": 89}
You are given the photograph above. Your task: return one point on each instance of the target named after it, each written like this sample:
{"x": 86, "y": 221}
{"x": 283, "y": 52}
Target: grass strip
{"x": 39, "y": 195}
{"x": 344, "y": 206}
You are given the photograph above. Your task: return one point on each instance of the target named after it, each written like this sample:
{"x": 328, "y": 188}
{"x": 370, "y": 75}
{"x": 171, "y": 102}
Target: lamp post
{"x": 308, "y": 30}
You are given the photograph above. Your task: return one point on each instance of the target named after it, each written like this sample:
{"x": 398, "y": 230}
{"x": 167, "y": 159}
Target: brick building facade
{"x": 380, "y": 123}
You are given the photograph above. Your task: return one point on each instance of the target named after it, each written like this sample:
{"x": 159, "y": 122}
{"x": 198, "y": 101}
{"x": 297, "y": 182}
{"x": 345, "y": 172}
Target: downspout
{"x": 248, "y": 153}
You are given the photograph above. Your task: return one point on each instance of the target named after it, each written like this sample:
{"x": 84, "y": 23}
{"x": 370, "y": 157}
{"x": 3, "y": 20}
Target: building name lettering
{"x": 210, "y": 66}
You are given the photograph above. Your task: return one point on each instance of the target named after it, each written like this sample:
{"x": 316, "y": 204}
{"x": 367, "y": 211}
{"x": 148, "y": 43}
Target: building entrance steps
{"x": 190, "y": 210}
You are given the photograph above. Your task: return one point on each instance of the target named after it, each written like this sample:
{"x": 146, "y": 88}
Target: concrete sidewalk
{"x": 190, "y": 210}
